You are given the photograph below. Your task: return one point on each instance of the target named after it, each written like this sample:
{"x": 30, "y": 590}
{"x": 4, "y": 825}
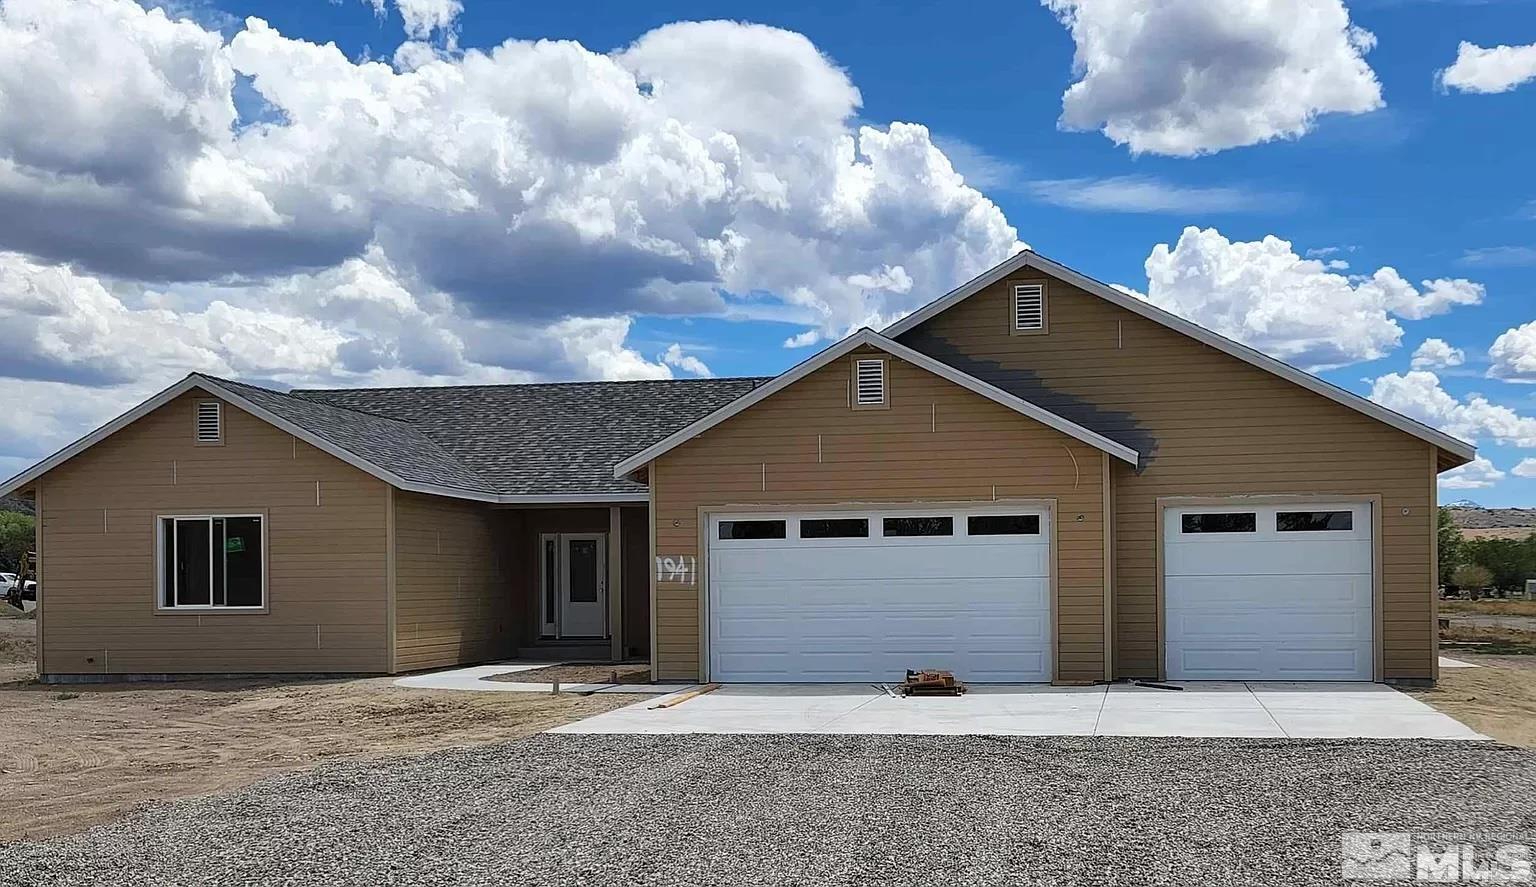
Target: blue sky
{"x": 1434, "y": 183}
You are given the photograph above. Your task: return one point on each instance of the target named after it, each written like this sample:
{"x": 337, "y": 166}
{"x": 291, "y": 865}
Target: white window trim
{"x": 197, "y": 423}
{"x": 160, "y": 606}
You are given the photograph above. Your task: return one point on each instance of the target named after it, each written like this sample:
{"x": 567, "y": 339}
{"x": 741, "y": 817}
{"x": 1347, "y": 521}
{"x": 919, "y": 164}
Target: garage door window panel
{"x": 1220, "y": 522}
{"x": 835, "y": 528}
{"x": 1003, "y": 525}
{"x": 906, "y": 527}
{"x": 752, "y": 529}
{"x": 1314, "y": 521}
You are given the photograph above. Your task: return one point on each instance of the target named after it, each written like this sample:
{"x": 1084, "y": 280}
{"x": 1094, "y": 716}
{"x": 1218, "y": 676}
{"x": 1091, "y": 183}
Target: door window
{"x": 583, "y": 554}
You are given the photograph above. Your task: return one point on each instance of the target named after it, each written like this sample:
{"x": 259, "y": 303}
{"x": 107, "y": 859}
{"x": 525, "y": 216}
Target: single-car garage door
{"x": 865, "y": 595}
{"x": 1276, "y": 591}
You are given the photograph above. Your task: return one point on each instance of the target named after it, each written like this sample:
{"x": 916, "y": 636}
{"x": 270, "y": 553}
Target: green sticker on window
{"x": 234, "y": 544}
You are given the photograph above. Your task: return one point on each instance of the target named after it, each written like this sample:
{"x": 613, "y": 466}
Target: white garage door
{"x": 863, "y": 596}
{"x": 1280, "y": 592}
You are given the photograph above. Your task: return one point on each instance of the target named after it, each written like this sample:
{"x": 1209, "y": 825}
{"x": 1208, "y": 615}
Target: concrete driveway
{"x": 1206, "y": 708}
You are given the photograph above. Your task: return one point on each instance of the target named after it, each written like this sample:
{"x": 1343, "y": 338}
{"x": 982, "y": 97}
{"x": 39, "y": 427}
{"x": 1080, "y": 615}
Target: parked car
{"x": 7, "y": 582}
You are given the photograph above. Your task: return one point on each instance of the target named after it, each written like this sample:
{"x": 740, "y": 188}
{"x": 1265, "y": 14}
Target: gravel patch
{"x": 772, "y": 810}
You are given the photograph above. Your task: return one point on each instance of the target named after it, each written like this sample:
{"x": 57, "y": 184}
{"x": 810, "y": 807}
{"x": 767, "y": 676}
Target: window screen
{"x": 835, "y": 528}
{"x": 1221, "y": 522}
{"x": 1003, "y": 525}
{"x": 919, "y": 526}
{"x": 1314, "y": 521}
{"x": 752, "y": 529}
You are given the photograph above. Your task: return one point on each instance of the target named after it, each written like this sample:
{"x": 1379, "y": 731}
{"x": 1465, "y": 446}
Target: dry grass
{"x": 1488, "y": 608}
{"x": 596, "y": 673}
{"x": 1497, "y": 700}
{"x": 76, "y": 756}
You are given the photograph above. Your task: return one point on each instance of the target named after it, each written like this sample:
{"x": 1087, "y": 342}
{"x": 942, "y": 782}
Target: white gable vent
{"x": 868, "y": 383}
{"x": 1028, "y": 307}
{"x": 210, "y": 422}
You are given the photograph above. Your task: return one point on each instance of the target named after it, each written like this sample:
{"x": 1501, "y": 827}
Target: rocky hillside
{"x": 16, "y": 503}
{"x": 1477, "y": 522}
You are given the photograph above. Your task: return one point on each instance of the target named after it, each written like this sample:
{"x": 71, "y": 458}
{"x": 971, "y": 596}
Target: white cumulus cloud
{"x": 1479, "y": 474}
{"x": 1263, "y": 294}
{"x": 1526, "y": 468}
{"x": 1418, "y": 395}
{"x": 1188, "y": 77}
{"x": 1513, "y": 354}
{"x": 675, "y": 356}
{"x": 1437, "y": 354}
{"x": 1491, "y": 69}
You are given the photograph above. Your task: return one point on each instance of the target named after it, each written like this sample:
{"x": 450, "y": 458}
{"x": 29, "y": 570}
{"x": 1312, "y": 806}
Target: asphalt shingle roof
{"x": 543, "y": 439}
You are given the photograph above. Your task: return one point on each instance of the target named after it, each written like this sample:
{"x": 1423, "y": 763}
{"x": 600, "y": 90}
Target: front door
{"x": 582, "y": 578}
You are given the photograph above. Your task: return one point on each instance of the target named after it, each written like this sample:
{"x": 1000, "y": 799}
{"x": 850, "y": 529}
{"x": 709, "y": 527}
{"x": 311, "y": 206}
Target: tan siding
{"x": 937, "y": 442}
{"x": 326, "y": 562}
{"x": 1212, "y": 425}
{"x": 454, "y": 599}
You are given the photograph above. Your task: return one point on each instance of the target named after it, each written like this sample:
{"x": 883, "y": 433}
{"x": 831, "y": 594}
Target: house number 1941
{"x": 682, "y": 569}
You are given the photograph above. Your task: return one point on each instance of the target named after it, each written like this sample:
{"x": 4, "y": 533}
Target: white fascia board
{"x": 895, "y": 349}
{"x": 1195, "y": 331}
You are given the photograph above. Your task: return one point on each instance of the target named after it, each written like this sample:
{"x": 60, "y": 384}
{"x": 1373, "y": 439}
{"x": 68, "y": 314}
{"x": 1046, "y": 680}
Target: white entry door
{"x": 1268, "y": 592}
{"x": 865, "y": 595}
{"x": 577, "y": 576}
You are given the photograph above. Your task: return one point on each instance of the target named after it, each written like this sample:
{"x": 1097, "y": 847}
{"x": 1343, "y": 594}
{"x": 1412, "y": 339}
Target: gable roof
{"x": 559, "y": 440}
{"x": 506, "y": 444}
{"x": 1029, "y": 259}
{"x": 868, "y": 337}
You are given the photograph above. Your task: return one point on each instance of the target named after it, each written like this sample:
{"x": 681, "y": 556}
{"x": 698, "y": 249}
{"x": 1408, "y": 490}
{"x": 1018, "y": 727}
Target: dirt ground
{"x": 1498, "y": 699}
{"x": 597, "y": 673}
{"x": 1488, "y": 608}
{"x": 78, "y": 755}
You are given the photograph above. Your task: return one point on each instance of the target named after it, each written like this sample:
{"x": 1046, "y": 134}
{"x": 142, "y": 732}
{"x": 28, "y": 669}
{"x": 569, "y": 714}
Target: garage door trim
{"x": 707, "y": 514}
{"x": 1237, "y": 501}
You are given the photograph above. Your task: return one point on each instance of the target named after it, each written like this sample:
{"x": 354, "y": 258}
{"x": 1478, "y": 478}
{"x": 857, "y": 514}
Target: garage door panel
{"x": 1269, "y": 604}
{"x": 883, "y": 562}
{"x": 1277, "y": 557}
{"x": 868, "y": 609}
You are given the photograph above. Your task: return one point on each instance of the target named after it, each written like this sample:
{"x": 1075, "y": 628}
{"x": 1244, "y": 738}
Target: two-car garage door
{"x": 1274, "y": 591}
{"x": 865, "y": 595}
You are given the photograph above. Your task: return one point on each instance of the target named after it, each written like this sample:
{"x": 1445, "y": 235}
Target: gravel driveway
{"x": 606, "y": 810}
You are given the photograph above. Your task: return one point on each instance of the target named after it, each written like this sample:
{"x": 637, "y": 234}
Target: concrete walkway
{"x": 1208, "y": 708}
{"x": 477, "y": 678}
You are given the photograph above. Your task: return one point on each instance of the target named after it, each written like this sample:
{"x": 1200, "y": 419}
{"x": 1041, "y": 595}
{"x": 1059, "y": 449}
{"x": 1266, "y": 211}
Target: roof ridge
{"x": 319, "y": 403}
{"x": 572, "y": 383}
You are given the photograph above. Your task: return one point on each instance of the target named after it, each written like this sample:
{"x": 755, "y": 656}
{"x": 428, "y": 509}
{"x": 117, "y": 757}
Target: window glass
{"x": 1221, "y": 522}
{"x": 1313, "y": 521}
{"x": 211, "y": 562}
{"x": 1003, "y": 525}
{"x": 919, "y": 526}
{"x": 242, "y": 561}
{"x": 583, "y": 566}
{"x": 751, "y": 529}
{"x": 193, "y": 583}
{"x": 551, "y": 578}
{"x": 835, "y": 528}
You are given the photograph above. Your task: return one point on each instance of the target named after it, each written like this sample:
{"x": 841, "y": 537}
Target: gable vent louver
{"x": 210, "y": 424}
{"x": 869, "y": 382}
{"x": 1029, "y": 306}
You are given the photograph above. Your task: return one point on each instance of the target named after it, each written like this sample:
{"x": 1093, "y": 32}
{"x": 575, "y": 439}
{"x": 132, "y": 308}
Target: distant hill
{"x": 1476, "y": 522}
{"x": 16, "y": 503}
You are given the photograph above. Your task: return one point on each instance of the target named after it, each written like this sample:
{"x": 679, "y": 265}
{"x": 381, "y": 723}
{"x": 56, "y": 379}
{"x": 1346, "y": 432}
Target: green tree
{"x": 1510, "y": 561}
{"x": 1472, "y": 577}
{"x": 18, "y": 535}
{"x": 1452, "y": 546}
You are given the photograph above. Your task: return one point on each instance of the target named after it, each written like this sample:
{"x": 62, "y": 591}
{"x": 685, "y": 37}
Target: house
{"x": 1034, "y": 478}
